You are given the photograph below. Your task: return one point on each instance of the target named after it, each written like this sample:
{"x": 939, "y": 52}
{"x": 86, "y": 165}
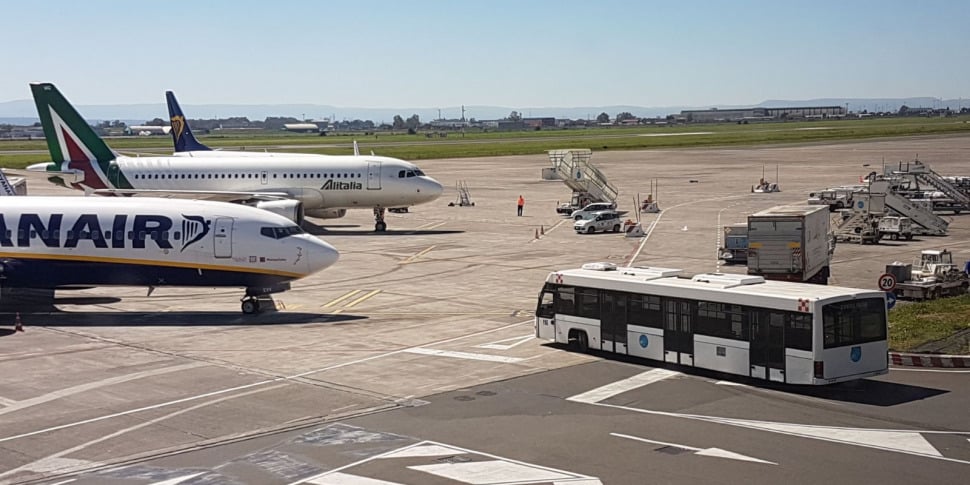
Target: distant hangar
{"x": 762, "y": 114}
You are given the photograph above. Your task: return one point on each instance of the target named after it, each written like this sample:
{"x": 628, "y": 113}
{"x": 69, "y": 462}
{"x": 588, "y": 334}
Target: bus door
{"x": 613, "y": 321}
{"x": 767, "y": 354}
{"x": 678, "y": 332}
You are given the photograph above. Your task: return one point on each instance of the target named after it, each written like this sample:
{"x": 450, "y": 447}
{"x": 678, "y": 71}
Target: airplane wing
{"x": 216, "y": 195}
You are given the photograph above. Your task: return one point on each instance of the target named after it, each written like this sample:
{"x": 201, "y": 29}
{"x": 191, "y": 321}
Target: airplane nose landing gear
{"x": 256, "y": 297}
{"x": 250, "y": 305}
{"x": 379, "y": 224}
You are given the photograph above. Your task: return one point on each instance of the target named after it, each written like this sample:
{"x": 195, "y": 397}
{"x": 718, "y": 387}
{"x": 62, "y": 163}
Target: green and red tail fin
{"x": 73, "y": 144}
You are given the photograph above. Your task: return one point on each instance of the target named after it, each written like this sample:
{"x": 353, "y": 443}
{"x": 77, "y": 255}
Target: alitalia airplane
{"x": 64, "y": 242}
{"x": 322, "y": 187}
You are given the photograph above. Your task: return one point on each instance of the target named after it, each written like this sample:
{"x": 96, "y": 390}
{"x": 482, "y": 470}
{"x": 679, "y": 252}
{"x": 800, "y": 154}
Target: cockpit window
{"x": 410, "y": 173}
{"x": 280, "y": 232}
{"x": 418, "y": 172}
{"x": 400, "y": 174}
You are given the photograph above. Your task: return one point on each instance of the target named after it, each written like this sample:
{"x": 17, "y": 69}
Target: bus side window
{"x": 565, "y": 301}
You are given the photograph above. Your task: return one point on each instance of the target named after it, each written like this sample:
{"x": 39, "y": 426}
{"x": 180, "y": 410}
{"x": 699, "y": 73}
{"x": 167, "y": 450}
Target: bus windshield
{"x": 854, "y": 322}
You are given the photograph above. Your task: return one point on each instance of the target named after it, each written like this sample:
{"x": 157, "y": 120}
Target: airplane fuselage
{"x": 51, "y": 242}
{"x": 324, "y": 182}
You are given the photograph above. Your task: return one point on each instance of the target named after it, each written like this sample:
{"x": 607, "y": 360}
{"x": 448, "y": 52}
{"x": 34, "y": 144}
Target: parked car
{"x": 591, "y": 209}
{"x": 600, "y": 221}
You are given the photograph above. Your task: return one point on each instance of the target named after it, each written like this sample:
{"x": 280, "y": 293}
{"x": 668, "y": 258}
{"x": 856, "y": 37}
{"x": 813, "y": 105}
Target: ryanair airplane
{"x": 291, "y": 186}
{"x": 64, "y": 242}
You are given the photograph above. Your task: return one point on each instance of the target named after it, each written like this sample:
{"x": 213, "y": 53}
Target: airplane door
{"x": 373, "y": 175}
{"x": 223, "y": 237}
{"x": 263, "y": 178}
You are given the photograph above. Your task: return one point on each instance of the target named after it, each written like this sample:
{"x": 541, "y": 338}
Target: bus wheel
{"x": 582, "y": 343}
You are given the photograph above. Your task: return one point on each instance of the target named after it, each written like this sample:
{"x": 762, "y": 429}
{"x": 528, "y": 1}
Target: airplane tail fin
{"x": 181, "y": 132}
{"x": 73, "y": 144}
{"x": 6, "y": 188}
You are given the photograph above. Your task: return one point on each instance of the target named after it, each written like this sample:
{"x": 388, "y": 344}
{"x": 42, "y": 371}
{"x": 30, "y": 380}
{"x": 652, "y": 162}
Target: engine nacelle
{"x": 290, "y": 209}
{"x": 326, "y": 213}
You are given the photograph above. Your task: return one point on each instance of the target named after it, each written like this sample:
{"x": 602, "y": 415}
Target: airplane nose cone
{"x": 432, "y": 189}
{"x": 322, "y": 255}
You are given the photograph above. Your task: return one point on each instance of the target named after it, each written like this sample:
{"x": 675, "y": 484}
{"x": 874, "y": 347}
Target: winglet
{"x": 181, "y": 132}
{"x": 6, "y": 188}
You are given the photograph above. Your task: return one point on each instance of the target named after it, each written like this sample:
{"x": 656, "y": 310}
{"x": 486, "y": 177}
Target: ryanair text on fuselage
{"x": 116, "y": 233}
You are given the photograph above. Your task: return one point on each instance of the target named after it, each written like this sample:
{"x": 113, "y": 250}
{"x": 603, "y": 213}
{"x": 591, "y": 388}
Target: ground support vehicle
{"x": 735, "y": 249}
{"x": 933, "y": 276}
{"x": 744, "y": 325}
{"x": 790, "y": 243}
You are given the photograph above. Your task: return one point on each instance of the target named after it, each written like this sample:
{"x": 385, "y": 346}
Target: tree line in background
{"x": 411, "y": 123}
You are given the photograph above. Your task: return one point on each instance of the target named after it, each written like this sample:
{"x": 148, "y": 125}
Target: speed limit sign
{"x": 887, "y": 282}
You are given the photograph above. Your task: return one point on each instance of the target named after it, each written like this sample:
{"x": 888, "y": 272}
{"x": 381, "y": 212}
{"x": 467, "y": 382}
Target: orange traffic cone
{"x": 17, "y": 326}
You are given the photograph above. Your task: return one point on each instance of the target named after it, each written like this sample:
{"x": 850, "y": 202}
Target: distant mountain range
{"x": 23, "y": 111}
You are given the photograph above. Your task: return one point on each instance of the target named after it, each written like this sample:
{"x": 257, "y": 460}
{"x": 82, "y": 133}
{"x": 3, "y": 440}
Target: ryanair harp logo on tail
{"x": 178, "y": 126}
{"x": 194, "y": 228}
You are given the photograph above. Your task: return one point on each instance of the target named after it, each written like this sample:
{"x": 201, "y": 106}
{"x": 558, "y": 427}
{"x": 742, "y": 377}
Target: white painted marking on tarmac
{"x": 464, "y": 355}
{"x": 498, "y": 345}
{"x": 7, "y": 402}
{"x": 60, "y": 393}
{"x": 346, "y": 479}
{"x": 846, "y": 438}
{"x": 714, "y": 452}
{"x": 619, "y": 387}
{"x": 425, "y": 450}
{"x": 178, "y": 480}
{"x": 49, "y": 465}
{"x": 490, "y": 472}
{"x": 906, "y": 441}
{"x": 247, "y": 386}
{"x": 655, "y": 442}
{"x": 719, "y": 453}
{"x": 581, "y": 481}
{"x": 69, "y": 480}
{"x": 57, "y": 456}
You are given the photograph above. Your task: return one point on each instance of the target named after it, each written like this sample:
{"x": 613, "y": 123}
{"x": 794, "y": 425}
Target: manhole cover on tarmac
{"x": 486, "y": 393}
{"x": 464, "y": 398}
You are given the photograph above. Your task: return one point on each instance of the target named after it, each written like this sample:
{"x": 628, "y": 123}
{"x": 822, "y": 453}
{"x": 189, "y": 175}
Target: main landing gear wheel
{"x": 380, "y": 226}
{"x": 250, "y": 306}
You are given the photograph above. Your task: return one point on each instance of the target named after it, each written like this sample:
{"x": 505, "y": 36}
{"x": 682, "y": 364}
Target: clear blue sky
{"x": 499, "y": 52}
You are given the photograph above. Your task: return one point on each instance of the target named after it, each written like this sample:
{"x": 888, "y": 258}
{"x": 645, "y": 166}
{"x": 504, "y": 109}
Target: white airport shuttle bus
{"x": 796, "y": 333}
{"x": 292, "y": 186}
{"x": 68, "y": 242}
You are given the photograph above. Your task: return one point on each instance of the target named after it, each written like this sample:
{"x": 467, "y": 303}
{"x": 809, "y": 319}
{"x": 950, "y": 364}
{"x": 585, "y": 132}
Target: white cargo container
{"x": 790, "y": 243}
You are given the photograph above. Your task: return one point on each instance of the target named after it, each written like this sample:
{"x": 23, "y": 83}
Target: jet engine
{"x": 290, "y": 209}
{"x": 326, "y": 213}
